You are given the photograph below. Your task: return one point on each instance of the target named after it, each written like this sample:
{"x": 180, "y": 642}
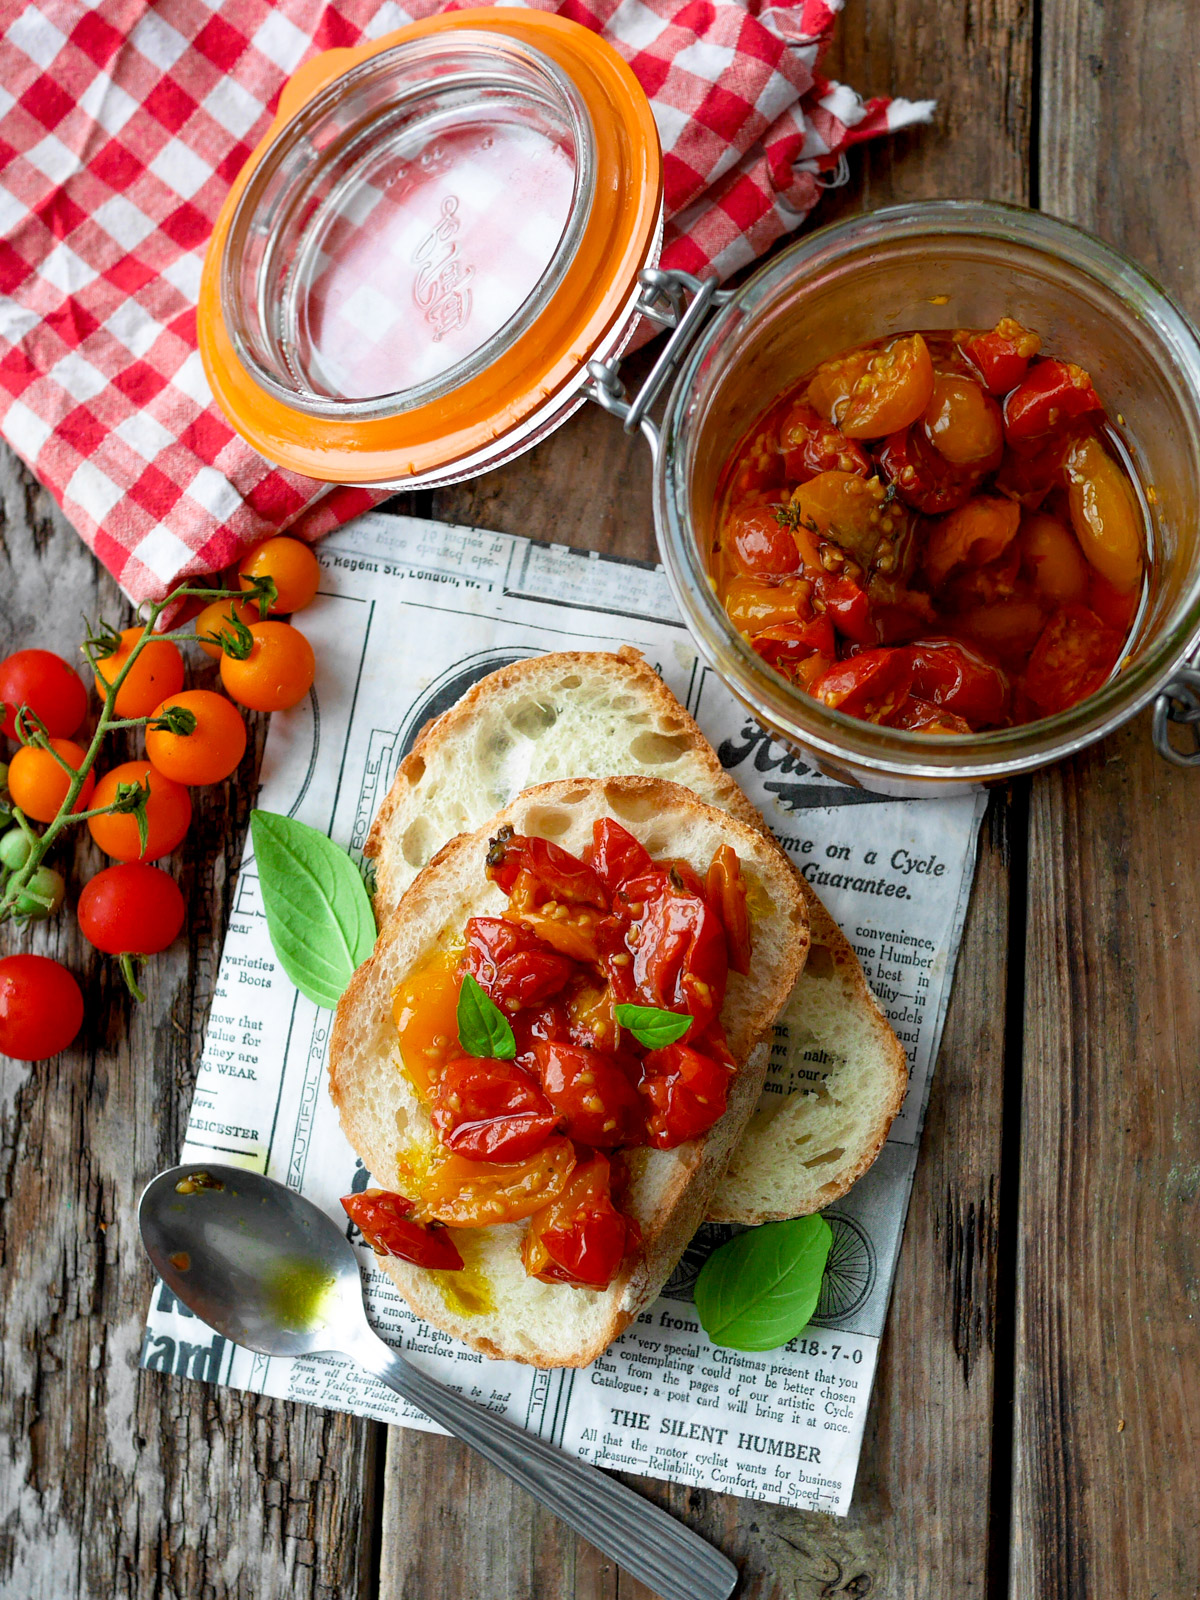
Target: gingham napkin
{"x": 121, "y": 128}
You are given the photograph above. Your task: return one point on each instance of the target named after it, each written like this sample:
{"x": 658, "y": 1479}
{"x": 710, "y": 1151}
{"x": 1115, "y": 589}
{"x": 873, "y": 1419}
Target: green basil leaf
{"x": 761, "y": 1289}
{"x": 318, "y": 912}
{"x": 483, "y": 1029}
{"x": 652, "y": 1027}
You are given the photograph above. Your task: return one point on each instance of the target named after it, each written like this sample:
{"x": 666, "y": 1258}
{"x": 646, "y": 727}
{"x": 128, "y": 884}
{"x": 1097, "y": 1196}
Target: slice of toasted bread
{"x": 503, "y": 1311}
{"x": 592, "y": 714}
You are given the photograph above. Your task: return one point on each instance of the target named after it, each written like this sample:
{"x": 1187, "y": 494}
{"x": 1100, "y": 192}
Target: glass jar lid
{"x": 439, "y": 231}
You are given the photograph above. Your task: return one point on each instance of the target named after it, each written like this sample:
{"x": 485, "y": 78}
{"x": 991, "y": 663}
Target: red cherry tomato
{"x": 848, "y": 607}
{"x": 41, "y": 1008}
{"x": 758, "y": 544}
{"x": 490, "y": 1111}
{"x": 383, "y": 1219}
{"x": 870, "y": 685}
{"x": 800, "y": 651}
{"x": 949, "y": 675}
{"x": 47, "y": 685}
{"x": 1073, "y": 657}
{"x": 922, "y": 477}
{"x": 593, "y": 1091}
{"x": 617, "y": 855}
{"x": 580, "y": 1237}
{"x": 920, "y": 716}
{"x": 131, "y": 909}
{"x": 1051, "y": 394}
{"x": 1115, "y": 610}
{"x": 811, "y": 445}
{"x": 685, "y": 1091}
{"x": 677, "y": 946}
{"x": 512, "y": 964}
{"x": 1002, "y": 356}
{"x": 560, "y": 875}
{"x": 1030, "y": 473}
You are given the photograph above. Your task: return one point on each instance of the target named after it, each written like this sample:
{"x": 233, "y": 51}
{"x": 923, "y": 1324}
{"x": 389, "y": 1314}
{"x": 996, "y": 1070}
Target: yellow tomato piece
{"x": 851, "y": 511}
{"x": 1104, "y": 514}
{"x": 892, "y": 392}
{"x": 1053, "y": 560}
{"x": 480, "y": 1194}
{"x": 753, "y": 606}
{"x": 973, "y": 535}
{"x": 425, "y": 1009}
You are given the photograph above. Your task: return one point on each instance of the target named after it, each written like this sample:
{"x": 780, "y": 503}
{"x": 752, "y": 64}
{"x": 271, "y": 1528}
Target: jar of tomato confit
{"x": 448, "y": 235}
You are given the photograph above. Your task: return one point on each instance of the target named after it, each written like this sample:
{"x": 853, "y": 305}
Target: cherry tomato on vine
{"x": 292, "y": 565}
{"x": 211, "y": 751}
{"x": 38, "y": 783}
{"x": 41, "y": 1007}
{"x": 491, "y": 1111}
{"x": 218, "y": 617}
{"x": 15, "y": 848}
{"x": 384, "y": 1221}
{"x": 48, "y": 686}
{"x": 42, "y": 895}
{"x": 580, "y": 1237}
{"x": 168, "y": 814}
{"x": 157, "y": 673}
{"x": 277, "y": 671}
{"x": 131, "y": 909}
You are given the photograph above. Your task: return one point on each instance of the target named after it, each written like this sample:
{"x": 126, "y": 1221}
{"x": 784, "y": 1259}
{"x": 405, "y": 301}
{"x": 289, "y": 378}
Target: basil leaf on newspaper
{"x": 318, "y": 912}
{"x": 652, "y": 1027}
{"x": 761, "y": 1289}
{"x": 483, "y": 1029}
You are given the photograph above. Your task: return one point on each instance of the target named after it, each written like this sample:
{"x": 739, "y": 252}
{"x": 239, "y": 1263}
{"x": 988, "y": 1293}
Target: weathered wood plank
{"x": 1107, "y": 1466}
{"x": 117, "y": 1483}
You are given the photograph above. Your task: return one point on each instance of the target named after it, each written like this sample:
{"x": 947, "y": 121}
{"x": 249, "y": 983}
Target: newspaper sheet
{"x": 410, "y": 614}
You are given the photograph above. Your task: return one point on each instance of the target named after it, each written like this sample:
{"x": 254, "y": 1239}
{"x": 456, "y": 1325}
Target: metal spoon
{"x": 274, "y": 1273}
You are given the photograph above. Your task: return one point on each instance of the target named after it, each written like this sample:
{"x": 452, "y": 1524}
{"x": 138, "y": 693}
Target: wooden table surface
{"x": 1035, "y": 1426}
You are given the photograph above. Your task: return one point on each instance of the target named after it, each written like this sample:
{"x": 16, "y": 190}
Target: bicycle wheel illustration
{"x": 682, "y": 1282}
{"x": 849, "y": 1271}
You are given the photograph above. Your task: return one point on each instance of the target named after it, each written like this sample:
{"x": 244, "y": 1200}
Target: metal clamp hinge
{"x": 1179, "y": 703}
{"x": 675, "y": 300}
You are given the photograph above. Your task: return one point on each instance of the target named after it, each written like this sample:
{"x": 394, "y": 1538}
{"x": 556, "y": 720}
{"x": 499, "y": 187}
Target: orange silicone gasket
{"x": 620, "y": 233}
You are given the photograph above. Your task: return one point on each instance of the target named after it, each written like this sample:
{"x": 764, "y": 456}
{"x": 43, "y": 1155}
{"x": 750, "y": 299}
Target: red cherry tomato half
{"x": 949, "y": 675}
{"x": 679, "y": 962}
{"x": 870, "y": 685}
{"x": 512, "y": 964}
{"x": 490, "y": 1111}
{"x": 685, "y": 1092}
{"x": 616, "y": 855}
{"x": 811, "y": 445}
{"x": 758, "y": 544}
{"x": 131, "y": 909}
{"x": 41, "y": 1008}
{"x": 1002, "y": 356}
{"x": 921, "y": 716}
{"x": 383, "y": 1220}
{"x": 725, "y": 891}
{"x": 1051, "y": 394}
{"x": 47, "y": 685}
{"x": 848, "y": 607}
{"x": 1073, "y": 657}
{"x": 799, "y": 650}
{"x": 593, "y": 1090}
{"x": 922, "y": 477}
{"x": 557, "y": 872}
{"x": 580, "y": 1237}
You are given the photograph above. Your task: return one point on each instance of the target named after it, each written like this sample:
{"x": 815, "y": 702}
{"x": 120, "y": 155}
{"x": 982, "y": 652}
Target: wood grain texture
{"x": 115, "y": 1482}
{"x": 1107, "y": 1464}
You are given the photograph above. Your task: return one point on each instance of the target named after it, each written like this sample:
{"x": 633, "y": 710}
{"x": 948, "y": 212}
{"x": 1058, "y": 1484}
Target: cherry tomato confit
{"x": 935, "y": 532}
{"x": 604, "y": 980}
{"x": 137, "y": 811}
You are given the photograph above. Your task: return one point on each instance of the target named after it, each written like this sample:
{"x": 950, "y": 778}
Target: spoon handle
{"x": 676, "y": 1563}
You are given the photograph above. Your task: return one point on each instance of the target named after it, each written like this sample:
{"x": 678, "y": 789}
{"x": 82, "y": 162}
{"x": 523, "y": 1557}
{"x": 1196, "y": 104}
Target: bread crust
{"x": 670, "y": 1191}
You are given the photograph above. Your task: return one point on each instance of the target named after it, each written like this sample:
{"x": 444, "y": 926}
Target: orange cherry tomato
{"x": 1006, "y": 628}
{"x": 217, "y": 618}
{"x": 1104, "y": 514}
{"x": 893, "y": 391}
{"x": 157, "y": 673}
{"x": 213, "y": 748}
{"x": 580, "y": 1237}
{"x": 753, "y": 605}
{"x": 849, "y": 510}
{"x": 168, "y": 814}
{"x": 976, "y": 533}
{"x": 294, "y": 567}
{"x": 831, "y": 386}
{"x": 38, "y": 784}
{"x": 478, "y": 1194}
{"x": 1071, "y": 660}
{"x": 963, "y": 423}
{"x": 1052, "y": 560}
{"x": 425, "y": 1011}
{"x": 276, "y": 674}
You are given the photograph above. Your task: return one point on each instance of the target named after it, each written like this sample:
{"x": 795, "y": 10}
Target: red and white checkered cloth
{"x": 122, "y": 126}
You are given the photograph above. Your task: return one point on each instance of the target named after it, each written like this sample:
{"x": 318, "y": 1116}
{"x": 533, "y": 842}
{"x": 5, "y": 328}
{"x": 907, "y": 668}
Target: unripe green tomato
{"x": 15, "y": 846}
{"x": 47, "y": 884}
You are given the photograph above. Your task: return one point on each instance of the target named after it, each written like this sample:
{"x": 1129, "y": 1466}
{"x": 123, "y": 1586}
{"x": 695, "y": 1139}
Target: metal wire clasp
{"x": 664, "y": 300}
{"x": 1179, "y": 703}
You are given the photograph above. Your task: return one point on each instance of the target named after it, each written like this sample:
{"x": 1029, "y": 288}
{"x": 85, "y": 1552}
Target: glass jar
{"x": 941, "y": 265}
